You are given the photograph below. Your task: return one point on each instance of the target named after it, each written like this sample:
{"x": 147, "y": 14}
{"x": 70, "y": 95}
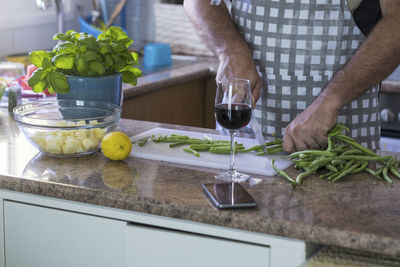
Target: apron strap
{"x": 366, "y": 13}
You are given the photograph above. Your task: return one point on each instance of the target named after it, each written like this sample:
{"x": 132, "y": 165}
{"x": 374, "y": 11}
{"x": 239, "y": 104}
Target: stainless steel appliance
{"x": 389, "y": 104}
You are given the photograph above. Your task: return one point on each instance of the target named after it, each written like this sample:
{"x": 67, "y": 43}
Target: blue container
{"x": 86, "y": 27}
{"x": 102, "y": 88}
{"x": 157, "y": 55}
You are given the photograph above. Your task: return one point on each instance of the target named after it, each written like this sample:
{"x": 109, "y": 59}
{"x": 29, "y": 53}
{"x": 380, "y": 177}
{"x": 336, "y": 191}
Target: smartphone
{"x": 229, "y": 196}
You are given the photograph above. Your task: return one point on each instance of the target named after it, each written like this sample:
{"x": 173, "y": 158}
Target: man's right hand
{"x": 240, "y": 65}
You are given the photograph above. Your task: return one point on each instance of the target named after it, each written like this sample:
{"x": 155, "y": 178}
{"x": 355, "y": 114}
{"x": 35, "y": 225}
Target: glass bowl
{"x": 67, "y": 127}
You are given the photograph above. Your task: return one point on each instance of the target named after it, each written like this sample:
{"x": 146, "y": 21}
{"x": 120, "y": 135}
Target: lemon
{"x": 116, "y": 146}
{"x": 117, "y": 174}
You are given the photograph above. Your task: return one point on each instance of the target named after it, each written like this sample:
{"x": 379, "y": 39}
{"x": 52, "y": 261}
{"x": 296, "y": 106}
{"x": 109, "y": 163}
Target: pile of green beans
{"x": 196, "y": 145}
{"x": 343, "y": 156}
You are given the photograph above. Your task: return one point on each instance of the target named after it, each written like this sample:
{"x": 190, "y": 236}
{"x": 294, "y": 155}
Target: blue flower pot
{"x": 102, "y": 88}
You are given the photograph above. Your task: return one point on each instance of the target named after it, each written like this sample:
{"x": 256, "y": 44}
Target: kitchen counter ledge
{"x": 358, "y": 212}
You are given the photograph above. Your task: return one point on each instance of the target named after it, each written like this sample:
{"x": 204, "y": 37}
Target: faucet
{"x": 45, "y": 4}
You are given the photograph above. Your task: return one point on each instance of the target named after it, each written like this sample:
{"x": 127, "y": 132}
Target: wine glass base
{"x": 232, "y": 176}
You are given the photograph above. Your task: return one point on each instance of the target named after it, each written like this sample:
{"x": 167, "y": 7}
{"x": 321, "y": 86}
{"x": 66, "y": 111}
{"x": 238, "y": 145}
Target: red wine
{"x": 235, "y": 118}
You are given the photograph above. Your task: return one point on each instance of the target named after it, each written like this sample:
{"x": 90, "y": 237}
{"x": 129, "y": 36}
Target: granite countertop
{"x": 359, "y": 213}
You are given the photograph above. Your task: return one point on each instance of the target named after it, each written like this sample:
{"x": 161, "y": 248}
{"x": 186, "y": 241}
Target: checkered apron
{"x": 298, "y": 45}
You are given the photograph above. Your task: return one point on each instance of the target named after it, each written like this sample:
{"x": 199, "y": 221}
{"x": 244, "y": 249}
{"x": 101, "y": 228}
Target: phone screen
{"x": 229, "y": 195}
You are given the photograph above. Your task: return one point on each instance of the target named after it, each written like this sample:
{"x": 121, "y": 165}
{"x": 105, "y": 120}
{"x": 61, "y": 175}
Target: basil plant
{"x": 81, "y": 54}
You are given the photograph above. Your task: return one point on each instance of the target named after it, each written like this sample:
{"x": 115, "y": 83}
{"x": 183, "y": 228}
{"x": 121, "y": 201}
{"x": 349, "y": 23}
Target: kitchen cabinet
{"x": 40, "y": 236}
{"x": 188, "y": 103}
{"x": 40, "y": 231}
{"x": 182, "y": 249}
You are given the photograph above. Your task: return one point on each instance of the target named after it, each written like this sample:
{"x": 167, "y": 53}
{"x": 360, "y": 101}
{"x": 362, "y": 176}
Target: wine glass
{"x": 232, "y": 112}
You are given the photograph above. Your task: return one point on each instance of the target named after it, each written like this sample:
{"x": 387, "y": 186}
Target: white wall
{"x": 24, "y": 27}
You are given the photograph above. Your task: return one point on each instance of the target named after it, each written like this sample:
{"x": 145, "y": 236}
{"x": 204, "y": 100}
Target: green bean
{"x": 274, "y": 142}
{"x": 253, "y": 148}
{"x": 223, "y": 149}
{"x": 351, "y": 142}
{"x": 379, "y": 172}
{"x": 384, "y": 174}
{"x": 201, "y": 147}
{"x": 361, "y": 168}
{"x": 197, "y": 141}
{"x": 338, "y": 149}
{"x": 373, "y": 173}
{"x": 283, "y": 174}
{"x": 302, "y": 175}
{"x": 394, "y": 172}
{"x": 181, "y": 142}
{"x": 352, "y": 152}
{"x": 337, "y": 129}
{"x": 191, "y": 151}
{"x": 346, "y": 171}
{"x": 271, "y": 150}
{"x": 337, "y": 162}
{"x": 331, "y": 168}
{"x": 329, "y": 144}
{"x": 143, "y": 141}
{"x": 156, "y": 139}
{"x": 325, "y": 175}
{"x": 339, "y": 173}
{"x": 313, "y": 152}
{"x": 349, "y": 157}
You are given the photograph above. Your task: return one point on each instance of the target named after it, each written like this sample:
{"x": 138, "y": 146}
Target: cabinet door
{"x": 153, "y": 247}
{"x": 39, "y": 236}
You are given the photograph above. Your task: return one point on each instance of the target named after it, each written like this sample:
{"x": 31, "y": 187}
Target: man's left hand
{"x": 309, "y": 129}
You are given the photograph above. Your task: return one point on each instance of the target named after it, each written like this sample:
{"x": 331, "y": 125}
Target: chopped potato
{"x": 69, "y": 141}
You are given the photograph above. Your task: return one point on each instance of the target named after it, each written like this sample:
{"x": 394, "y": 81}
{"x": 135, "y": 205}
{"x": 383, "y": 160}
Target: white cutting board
{"x": 245, "y": 162}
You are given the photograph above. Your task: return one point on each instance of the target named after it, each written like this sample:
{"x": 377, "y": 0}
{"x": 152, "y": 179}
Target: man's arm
{"x": 215, "y": 27}
{"x": 375, "y": 59}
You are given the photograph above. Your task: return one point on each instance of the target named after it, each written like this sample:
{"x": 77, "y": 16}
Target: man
{"x": 307, "y": 61}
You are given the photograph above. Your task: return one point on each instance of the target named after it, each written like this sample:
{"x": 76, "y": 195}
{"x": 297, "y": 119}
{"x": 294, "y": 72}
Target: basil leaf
{"x": 36, "y": 57}
{"x": 51, "y": 90}
{"x": 105, "y": 48}
{"x": 37, "y": 76}
{"x": 59, "y": 82}
{"x": 135, "y": 57}
{"x": 46, "y": 64}
{"x": 108, "y": 61}
{"x": 89, "y": 41}
{"x": 89, "y": 56}
{"x": 39, "y": 87}
{"x": 66, "y": 47}
{"x": 135, "y": 71}
{"x": 126, "y": 42}
{"x": 64, "y": 61}
{"x": 129, "y": 77}
{"x": 81, "y": 65}
{"x": 118, "y": 63}
{"x": 97, "y": 67}
{"x": 116, "y": 47}
{"x": 116, "y": 33}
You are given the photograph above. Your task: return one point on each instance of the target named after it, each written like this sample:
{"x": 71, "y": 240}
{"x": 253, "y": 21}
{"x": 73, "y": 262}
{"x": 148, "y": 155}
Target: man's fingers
{"x": 288, "y": 144}
{"x": 299, "y": 144}
{"x": 312, "y": 143}
{"x": 322, "y": 140}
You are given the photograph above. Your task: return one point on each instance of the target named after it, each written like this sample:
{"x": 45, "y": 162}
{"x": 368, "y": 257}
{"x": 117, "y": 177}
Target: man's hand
{"x": 374, "y": 60}
{"x": 309, "y": 128}
{"x": 240, "y": 65}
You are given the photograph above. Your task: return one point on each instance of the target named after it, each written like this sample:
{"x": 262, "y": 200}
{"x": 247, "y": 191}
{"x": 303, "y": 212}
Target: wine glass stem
{"x": 232, "y": 165}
